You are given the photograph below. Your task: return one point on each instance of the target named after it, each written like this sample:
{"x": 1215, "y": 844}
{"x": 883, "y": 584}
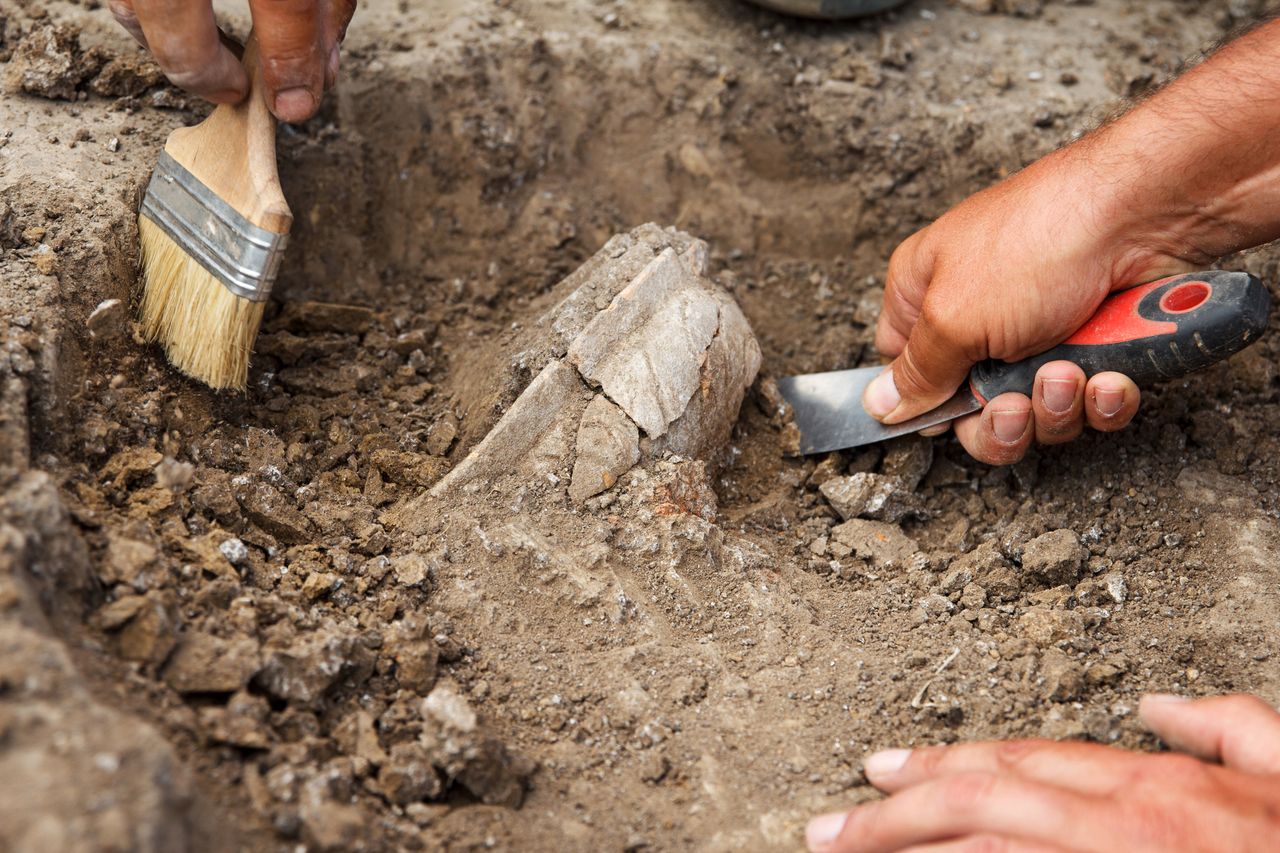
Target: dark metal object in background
{"x": 829, "y": 9}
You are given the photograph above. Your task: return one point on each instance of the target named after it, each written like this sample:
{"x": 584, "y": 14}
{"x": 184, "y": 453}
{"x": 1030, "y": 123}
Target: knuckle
{"x": 865, "y": 823}
{"x": 928, "y": 761}
{"x": 1152, "y": 826}
{"x": 967, "y": 792}
{"x": 1011, "y": 755}
{"x": 123, "y": 12}
{"x": 185, "y": 64}
{"x": 1167, "y": 770}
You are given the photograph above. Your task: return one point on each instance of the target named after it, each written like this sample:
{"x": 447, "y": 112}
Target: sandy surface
{"x": 245, "y": 598}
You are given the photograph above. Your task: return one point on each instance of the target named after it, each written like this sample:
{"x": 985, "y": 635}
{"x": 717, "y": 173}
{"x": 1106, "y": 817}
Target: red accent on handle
{"x": 1185, "y": 297}
{"x": 1118, "y": 319}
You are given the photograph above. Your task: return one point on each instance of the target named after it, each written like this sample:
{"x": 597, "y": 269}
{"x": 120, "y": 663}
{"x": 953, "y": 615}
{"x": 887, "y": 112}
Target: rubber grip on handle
{"x": 1156, "y": 331}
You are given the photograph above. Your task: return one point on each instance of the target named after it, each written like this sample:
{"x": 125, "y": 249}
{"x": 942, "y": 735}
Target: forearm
{"x": 1195, "y": 170}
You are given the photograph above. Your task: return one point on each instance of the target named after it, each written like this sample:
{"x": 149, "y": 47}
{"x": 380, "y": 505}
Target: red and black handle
{"x": 1161, "y": 330}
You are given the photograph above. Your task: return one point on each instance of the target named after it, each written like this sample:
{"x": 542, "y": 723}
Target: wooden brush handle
{"x": 233, "y": 152}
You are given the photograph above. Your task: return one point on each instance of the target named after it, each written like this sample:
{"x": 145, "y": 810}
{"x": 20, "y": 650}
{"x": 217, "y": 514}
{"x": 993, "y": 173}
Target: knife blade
{"x": 1156, "y": 331}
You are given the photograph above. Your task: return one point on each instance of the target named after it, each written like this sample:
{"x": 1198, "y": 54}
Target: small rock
{"x": 956, "y": 579}
{"x": 1045, "y": 626}
{"x": 442, "y": 434}
{"x": 203, "y": 663}
{"x": 319, "y": 584}
{"x": 1057, "y": 556}
{"x": 935, "y": 605}
{"x": 1063, "y": 677}
{"x": 357, "y": 737}
{"x": 267, "y": 508}
{"x": 311, "y": 665}
{"x": 827, "y": 469}
{"x": 608, "y": 446}
{"x": 330, "y": 822}
{"x": 411, "y": 569}
{"x": 409, "y": 469}
{"x": 236, "y": 552}
{"x": 175, "y": 475}
{"x": 483, "y": 766}
{"x": 874, "y": 496}
{"x": 127, "y": 561}
{"x": 973, "y": 597}
{"x": 150, "y": 633}
{"x": 46, "y": 62}
{"x": 1117, "y": 587}
{"x": 876, "y": 541}
{"x": 408, "y": 775}
{"x": 1105, "y": 673}
{"x": 410, "y": 644}
{"x": 985, "y": 565}
{"x": 908, "y": 458}
{"x": 654, "y": 768}
{"x": 108, "y": 320}
{"x": 243, "y": 722}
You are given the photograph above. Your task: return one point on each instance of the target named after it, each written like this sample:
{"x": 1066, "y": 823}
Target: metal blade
{"x": 829, "y": 414}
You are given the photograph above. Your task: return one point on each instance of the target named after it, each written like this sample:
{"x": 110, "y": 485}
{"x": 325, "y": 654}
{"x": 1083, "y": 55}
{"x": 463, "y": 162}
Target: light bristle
{"x": 206, "y": 330}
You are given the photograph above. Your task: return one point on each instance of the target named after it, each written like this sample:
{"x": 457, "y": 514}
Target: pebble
{"x": 236, "y": 552}
{"x": 1057, "y": 556}
{"x": 204, "y": 663}
{"x": 108, "y": 320}
{"x": 873, "y": 496}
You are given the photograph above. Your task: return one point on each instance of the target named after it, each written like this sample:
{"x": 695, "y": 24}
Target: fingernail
{"x": 1108, "y": 400}
{"x": 1166, "y": 699}
{"x": 823, "y": 830}
{"x": 886, "y": 763}
{"x": 1059, "y": 395}
{"x": 1009, "y": 425}
{"x": 881, "y": 396}
{"x": 294, "y": 104}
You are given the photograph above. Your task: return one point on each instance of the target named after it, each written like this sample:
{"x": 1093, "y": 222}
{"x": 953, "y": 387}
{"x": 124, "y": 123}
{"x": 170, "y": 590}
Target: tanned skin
{"x": 297, "y": 39}
{"x": 1186, "y": 177}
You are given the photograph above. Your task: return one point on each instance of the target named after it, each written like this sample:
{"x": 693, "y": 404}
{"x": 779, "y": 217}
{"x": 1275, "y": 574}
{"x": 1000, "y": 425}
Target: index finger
{"x": 904, "y": 288}
{"x": 1083, "y": 767}
{"x": 184, "y": 38}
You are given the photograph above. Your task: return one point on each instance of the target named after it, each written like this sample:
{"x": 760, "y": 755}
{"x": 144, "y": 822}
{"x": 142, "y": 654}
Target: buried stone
{"x": 642, "y": 355}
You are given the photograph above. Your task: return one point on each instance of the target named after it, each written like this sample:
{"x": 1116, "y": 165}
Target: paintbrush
{"x": 213, "y": 227}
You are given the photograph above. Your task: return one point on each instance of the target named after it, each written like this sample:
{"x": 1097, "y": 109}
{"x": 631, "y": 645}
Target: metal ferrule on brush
{"x": 244, "y": 257}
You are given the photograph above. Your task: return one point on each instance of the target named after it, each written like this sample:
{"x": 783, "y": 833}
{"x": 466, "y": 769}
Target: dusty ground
{"x": 219, "y": 614}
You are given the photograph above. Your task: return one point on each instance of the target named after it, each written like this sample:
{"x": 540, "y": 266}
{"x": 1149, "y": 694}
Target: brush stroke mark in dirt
{"x": 318, "y": 613}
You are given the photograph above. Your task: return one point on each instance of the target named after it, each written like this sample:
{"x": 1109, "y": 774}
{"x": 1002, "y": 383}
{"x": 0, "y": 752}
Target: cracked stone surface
{"x": 608, "y": 445}
{"x": 645, "y": 351}
{"x": 639, "y": 341}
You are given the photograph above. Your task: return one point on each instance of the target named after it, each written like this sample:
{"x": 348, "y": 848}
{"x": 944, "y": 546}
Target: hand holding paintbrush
{"x": 213, "y": 225}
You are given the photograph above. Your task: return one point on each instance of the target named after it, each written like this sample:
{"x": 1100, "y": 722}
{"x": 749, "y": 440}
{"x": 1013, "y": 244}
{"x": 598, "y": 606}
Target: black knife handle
{"x": 1156, "y": 331}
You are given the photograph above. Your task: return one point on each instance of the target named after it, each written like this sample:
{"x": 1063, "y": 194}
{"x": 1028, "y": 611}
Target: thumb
{"x": 1242, "y": 732}
{"x": 926, "y": 374}
{"x": 293, "y": 60}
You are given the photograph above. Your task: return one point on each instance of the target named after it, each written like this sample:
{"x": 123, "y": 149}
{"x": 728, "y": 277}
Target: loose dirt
{"x": 235, "y": 621}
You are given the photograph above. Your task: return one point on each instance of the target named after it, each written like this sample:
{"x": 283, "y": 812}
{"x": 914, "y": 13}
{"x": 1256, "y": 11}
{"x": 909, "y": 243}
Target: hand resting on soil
{"x": 1221, "y": 793}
